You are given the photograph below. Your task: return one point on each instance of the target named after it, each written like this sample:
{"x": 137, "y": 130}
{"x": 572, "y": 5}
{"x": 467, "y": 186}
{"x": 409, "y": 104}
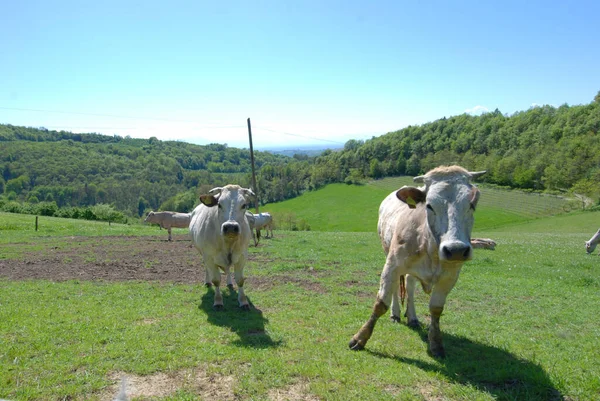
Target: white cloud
{"x": 477, "y": 110}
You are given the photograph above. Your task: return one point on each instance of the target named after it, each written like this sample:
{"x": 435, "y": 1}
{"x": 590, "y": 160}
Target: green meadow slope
{"x": 351, "y": 208}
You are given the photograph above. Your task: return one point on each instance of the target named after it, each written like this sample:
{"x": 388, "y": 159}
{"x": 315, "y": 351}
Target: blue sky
{"x": 305, "y": 72}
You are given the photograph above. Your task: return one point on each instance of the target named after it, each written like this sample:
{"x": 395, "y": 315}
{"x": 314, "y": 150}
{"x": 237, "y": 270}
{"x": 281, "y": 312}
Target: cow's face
{"x": 590, "y": 246}
{"x": 232, "y": 202}
{"x": 449, "y": 209}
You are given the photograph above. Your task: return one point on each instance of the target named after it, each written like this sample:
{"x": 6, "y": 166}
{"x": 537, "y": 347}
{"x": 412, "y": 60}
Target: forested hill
{"x": 37, "y": 165}
{"x": 543, "y": 148}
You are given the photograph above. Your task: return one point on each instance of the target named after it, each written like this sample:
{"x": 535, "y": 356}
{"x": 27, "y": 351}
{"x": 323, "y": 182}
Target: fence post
{"x": 36, "y": 223}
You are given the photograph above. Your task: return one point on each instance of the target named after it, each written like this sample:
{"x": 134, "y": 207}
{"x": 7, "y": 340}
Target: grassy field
{"x": 521, "y": 324}
{"x": 350, "y": 208}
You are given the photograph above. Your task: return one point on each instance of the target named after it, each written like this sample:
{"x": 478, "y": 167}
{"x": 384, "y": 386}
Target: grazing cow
{"x": 263, "y": 220}
{"x": 591, "y": 244}
{"x": 221, "y": 233}
{"x": 425, "y": 233}
{"x": 168, "y": 220}
{"x": 252, "y": 223}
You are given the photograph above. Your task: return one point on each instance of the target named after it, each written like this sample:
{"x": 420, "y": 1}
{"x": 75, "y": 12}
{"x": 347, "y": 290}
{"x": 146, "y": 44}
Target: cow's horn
{"x": 216, "y": 190}
{"x": 419, "y": 178}
{"x": 476, "y": 174}
{"x": 249, "y": 191}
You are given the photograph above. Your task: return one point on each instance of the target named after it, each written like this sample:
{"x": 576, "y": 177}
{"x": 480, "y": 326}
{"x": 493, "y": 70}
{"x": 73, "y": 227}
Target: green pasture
{"x": 16, "y": 228}
{"x": 351, "y": 208}
{"x": 521, "y": 323}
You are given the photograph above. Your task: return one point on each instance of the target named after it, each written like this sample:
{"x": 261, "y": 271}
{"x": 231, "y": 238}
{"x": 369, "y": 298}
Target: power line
{"x": 117, "y": 116}
{"x": 194, "y": 123}
{"x": 300, "y": 136}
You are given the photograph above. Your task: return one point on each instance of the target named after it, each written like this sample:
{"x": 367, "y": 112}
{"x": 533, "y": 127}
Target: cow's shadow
{"x": 487, "y": 368}
{"x": 248, "y": 325}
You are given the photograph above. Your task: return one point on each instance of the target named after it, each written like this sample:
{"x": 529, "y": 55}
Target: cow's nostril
{"x": 447, "y": 253}
{"x": 466, "y": 253}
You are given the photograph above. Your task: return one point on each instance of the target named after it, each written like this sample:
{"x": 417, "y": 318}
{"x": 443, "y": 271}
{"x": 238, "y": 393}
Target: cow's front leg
{"x": 229, "y": 275}
{"x": 388, "y": 285}
{"x": 436, "y": 306}
{"x": 169, "y": 231}
{"x": 215, "y": 276}
{"x": 239, "y": 279}
{"x": 411, "y": 314}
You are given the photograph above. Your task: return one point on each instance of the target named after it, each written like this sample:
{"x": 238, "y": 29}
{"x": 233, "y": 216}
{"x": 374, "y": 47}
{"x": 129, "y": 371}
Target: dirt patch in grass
{"x": 295, "y": 392}
{"x": 198, "y": 381}
{"x": 131, "y": 258}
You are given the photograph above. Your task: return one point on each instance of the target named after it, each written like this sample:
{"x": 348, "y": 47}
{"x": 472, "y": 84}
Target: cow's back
{"x": 180, "y": 220}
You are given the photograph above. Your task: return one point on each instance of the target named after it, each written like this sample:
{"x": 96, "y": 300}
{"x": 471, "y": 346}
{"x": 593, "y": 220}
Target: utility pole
{"x": 254, "y": 187}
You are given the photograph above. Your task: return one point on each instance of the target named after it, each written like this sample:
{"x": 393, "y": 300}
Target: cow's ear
{"x": 209, "y": 200}
{"x": 411, "y": 196}
{"x": 474, "y": 197}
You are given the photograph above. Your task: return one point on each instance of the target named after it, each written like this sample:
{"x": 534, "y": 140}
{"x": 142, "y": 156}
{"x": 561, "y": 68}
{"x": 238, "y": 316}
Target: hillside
{"x": 352, "y": 208}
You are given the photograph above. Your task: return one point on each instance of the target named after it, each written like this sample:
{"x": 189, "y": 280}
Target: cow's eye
{"x": 245, "y": 206}
{"x": 219, "y": 205}
{"x": 430, "y": 207}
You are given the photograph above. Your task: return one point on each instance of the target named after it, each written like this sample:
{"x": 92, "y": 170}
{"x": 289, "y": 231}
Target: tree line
{"x": 545, "y": 148}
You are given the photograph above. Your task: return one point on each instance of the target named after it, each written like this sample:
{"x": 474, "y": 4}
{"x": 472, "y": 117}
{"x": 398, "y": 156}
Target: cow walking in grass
{"x": 425, "y": 233}
{"x": 221, "y": 233}
{"x": 168, "y": 220}
{"x": 263, "y": 220}
{"x": 252, "y": 223}
{"x": 590, "y": 245}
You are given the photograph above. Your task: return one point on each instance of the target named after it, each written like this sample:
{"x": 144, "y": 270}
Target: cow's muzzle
{"x": 456, "y": 252}
{"x": 230, "y": 228}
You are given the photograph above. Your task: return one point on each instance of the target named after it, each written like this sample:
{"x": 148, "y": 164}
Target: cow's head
{"x": 590, "y": 245}
{"x": 450, "y": 201}
{"x": 232, "y": 202}
{"x": 149, "y": 217}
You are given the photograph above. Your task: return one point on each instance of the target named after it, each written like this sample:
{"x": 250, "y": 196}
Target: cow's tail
{"x": 402, "y": 289}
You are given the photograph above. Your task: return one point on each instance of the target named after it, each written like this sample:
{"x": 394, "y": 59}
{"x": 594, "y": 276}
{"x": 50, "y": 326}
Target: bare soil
{"x": 110, "y": 259}
{"x": 133, "y": 258}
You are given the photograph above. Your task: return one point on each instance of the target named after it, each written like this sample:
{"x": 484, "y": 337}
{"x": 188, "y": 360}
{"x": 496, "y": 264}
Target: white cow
{"x": 252, "y": 223}
{"x": 169, "y": 219}
{"x": 425, "y": 233}
{"x": 263, "y": 220}
{"x": 590, "y": 245}
{"x": 220, "y": 231}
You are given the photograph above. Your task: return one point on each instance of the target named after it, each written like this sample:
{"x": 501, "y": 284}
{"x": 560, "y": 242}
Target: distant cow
{"x": 263, "y": 220}
{"x": 425, "y": 233}
{"x": 252, "y": 222}
{"x": 169, "y": 219}
{"x": 221, "y": 232}
{"x": 591, "y": 244}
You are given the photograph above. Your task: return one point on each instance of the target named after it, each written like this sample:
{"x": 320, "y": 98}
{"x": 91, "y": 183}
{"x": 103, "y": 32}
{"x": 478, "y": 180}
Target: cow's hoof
{"x": 413, "y": 323}
{"x": 230, "y": 286}
{"x": 207, "y": 285}
{"x": 355, "y": 345}
{"x": 395, "y": 319}
{"x": 438, "y": 352}
{"x": 218, "y": 308}
{"x": 245, "y": 308}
